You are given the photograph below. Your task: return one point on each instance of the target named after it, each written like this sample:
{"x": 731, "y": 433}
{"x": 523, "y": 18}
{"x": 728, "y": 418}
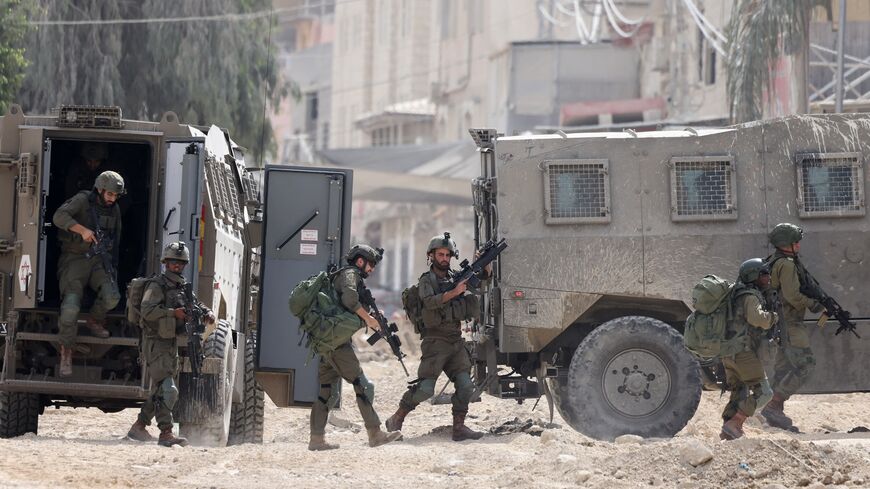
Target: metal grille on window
{"x": 702, "y": 188}
{"x": 830, "y": 185}
{"x": 577, "y": 191}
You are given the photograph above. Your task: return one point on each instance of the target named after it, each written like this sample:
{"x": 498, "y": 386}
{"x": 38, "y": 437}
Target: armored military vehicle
{"x": 608, "y": 232}
{"x": 183, "y": 183}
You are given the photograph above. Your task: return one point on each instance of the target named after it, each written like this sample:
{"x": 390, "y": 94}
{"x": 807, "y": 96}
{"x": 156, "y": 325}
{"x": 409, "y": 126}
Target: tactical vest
{"x": 740, "y": 335}
{"x": 109, "y": 219}
{"x": 445, "y": 321}
{"x": 776, "y": 262}
{"x": 173, "y": 298}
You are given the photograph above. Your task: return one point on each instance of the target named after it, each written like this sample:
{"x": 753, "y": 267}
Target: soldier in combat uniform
{"x": 163, "y": 317}
{"x": 77, "y": 221}
{"x": 343, "y": 363}
{"x": 794, "y": 358}
{"x": 443, "y": 348}
{"x": 744, "y": 372}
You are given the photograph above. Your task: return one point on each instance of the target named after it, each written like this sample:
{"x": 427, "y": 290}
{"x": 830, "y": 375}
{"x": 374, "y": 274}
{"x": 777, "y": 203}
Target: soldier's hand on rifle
{"x": 209, "y": 318}
{"x": 488, "y": 266}
{"x": 180, "y": 314}
{"x": 372, "y": 323}
{"x": 87, "y": 235}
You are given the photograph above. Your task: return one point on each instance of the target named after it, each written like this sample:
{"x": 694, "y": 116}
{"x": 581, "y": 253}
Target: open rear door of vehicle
{"x": 181, "y": 205}
{"x": 307, "y": 230}
{"x": 30, "y": 220}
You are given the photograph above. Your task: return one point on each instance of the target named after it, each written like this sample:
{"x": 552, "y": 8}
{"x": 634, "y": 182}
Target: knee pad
{"x": 168, "y": 393}
{"x": 464, "y": 386}
{"x": 423, "y": 390}
{"x": 109, "y": 296}
{"x": 69, "y": 308}
{"x": 364, "y": 389}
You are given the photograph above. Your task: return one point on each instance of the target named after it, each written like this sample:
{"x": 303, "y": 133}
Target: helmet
{"x": 443, "y": 241}
{"x": 369, "y": 254}
{"x": 751, "y": 269}
{"x": 94, "y": 151}
{"x": 111, "y": 181}
{"x": 785, "y": 234}
{"x": 176, "y": 251}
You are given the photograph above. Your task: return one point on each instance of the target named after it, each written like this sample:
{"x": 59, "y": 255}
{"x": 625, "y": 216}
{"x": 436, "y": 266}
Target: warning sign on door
{"x": 307, "y": 249}
{"x": 309, "y": 235}
{"x": 24, "y": 273}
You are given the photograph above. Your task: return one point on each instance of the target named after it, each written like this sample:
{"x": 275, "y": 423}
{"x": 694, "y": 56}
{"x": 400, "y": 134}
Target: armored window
{"x": 702, "y": 188}
{"x": 830, "y": 185}
{"x": 576, "y": 191}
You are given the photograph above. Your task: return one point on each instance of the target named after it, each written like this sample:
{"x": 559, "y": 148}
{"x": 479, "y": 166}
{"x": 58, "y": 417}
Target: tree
{"x": 13, "y": 29}
{"x": 759, "y": 33}
{"x": 207, "y": 71}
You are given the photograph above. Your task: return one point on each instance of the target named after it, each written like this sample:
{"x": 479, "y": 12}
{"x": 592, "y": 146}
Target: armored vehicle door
{"x": 181, "y": 207}
{"x": 307, "y": 230}
{"x": 33, "y": 160}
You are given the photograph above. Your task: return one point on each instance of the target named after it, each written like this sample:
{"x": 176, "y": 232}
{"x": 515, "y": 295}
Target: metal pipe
{"x": 841, "y": 42}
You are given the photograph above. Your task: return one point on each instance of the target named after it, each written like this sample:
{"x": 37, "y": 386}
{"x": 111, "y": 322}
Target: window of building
{"x": 576, "y": 191}
{"x": 830, "y": 185}
{"x": 702, "y": 188}
{"x": 706, "y": 60}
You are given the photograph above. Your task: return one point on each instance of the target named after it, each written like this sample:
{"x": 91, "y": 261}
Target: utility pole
{"x": 841, "y": 42}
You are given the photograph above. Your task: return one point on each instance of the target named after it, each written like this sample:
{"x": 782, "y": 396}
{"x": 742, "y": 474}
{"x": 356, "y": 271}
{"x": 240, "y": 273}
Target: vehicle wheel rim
{"x": 636, "y": 383}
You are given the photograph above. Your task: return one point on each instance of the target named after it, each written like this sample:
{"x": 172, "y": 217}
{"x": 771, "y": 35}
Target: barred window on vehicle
{"x": 703, "y": 188}
{"x": 576, "y": 191}
{"x": 830, "y": 184}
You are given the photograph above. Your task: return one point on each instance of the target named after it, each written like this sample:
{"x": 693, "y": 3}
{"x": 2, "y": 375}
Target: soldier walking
{"x": 79, "y": 220}
{"x": 794, "y": 358}
{"x": 342, "y": 363}
{"x": 443, "y": 348}
{"x": 163, "y": 317}
{"x": 744, "y": 373}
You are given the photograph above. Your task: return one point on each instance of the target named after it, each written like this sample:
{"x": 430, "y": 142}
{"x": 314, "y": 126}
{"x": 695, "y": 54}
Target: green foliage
{"x": 13, "y": 29}
{"x": 219, "y": 72}
{"x": 759, "y": 33}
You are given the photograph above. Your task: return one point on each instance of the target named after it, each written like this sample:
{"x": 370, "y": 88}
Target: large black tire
{"x": 631, "y": 375}
{"x": 19, "y": 413}
{"x": 205, "y": 405}
{"x": 246, "y": 424}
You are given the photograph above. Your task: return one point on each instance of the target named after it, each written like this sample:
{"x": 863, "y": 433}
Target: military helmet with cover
{"x": 751, "y": 269}
{"x": 785, "y": 234}
{"x": 176, "y": 251}
{"x": 366, "y": 252}
{"x": 443, "y": 241}
{"x": 111, "y": 181}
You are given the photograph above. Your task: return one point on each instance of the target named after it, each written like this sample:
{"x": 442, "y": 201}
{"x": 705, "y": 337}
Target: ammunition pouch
{"x": 166, "y": 327}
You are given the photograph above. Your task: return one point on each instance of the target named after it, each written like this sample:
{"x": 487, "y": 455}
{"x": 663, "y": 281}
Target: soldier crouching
{"x": 163, "y": 318}
{"x": 444, "y": 307}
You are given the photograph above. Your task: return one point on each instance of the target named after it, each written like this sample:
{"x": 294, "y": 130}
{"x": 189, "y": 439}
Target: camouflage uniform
{"x": 75, "y": 270}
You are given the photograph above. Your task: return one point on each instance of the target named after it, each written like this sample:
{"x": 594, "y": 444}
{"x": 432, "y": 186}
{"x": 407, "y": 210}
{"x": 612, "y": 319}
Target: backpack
{"x": 324, "y": 323}
{"x": 413, "y": 306}
{"x": 704, "y": 334}
{"x": 135, "y": 292}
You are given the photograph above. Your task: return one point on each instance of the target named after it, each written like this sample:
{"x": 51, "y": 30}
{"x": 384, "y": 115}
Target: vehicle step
{"x": 53, "y": 338}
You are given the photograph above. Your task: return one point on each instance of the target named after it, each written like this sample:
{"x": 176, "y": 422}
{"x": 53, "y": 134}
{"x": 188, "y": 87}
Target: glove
{"x": 817, "y": 308}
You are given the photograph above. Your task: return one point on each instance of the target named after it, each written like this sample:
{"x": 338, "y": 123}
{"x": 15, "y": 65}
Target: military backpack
{"x": 324, "y": 323}
{"x": 135, "y": 292}
{"x": 707, "y": 328}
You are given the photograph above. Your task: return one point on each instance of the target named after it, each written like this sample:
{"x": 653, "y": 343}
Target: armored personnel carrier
{"x": 608, "y": 232}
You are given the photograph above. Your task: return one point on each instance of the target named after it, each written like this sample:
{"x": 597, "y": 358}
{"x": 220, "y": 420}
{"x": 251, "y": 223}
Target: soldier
{"x": 163, "y": 317}
{"x": 443, "y": 348}
{"x": 794, "y": 358}
{"x": 342, "y": 363}
{"x": 78, "y": 220}
{"x": 82, "y": 174}
{"x": 744, "y": 373}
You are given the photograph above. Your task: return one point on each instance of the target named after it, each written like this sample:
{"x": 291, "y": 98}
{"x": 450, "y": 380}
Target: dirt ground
{"x": 84, "y": 448}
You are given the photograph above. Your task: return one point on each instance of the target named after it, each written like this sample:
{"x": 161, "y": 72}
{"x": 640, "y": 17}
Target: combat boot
{"x": 65, "y": 367}
{"x": 318, "y": 442}
{"x": 139, "y": 432}
{"x": 378, "y": 437}
{"x": 394, "y": 423}
{"x": 774, "y": 415}
{"x": 167, "y": 439}
{"x": 97, "y": 329}
{"x": 733, "y": 428}
{"x": 462, "y": 432}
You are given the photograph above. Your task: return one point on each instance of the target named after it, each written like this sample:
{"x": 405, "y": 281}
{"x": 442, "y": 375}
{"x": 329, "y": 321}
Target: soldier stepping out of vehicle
{"x": 89, "y": 231}
{"x": 162, "y": 319}
{"x": 794, "y": 358}
{"x": 444, "y": 306}
{"x": 744, "y": 373}
{"x": 342, "y": 363}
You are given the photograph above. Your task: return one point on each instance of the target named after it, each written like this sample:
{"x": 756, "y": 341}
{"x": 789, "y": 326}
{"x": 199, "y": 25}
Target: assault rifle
{"x": 388, "y": 330}
{"x": 194, "y": 328}
{"x": 474, "y": 271}
{"x": 774, "y": 304}
{"x": 103, "y": 246}
{"x": 810, "y": 287}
